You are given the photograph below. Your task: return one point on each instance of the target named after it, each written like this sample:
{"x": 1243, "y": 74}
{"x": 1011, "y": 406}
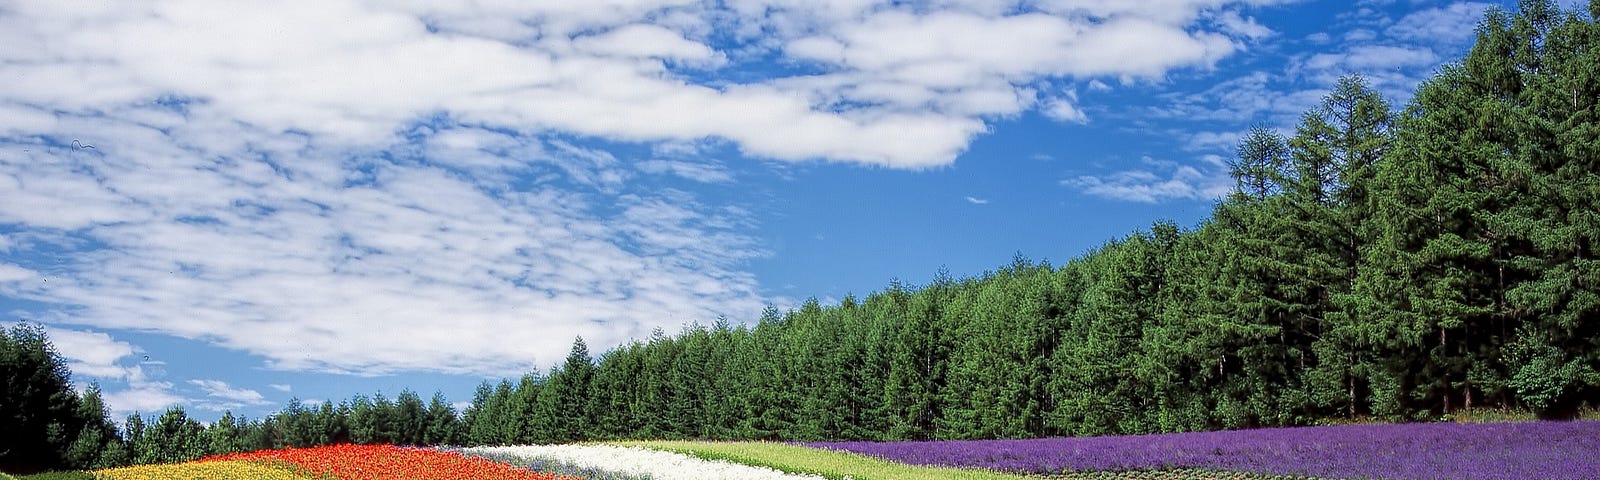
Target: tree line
{"x": 1372, "y": 263}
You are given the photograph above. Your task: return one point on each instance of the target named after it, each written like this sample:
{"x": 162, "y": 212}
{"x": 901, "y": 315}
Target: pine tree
{"x": 224, "y": 435}
{"x": 39, "y": 411}
{"x": 443, "y": 426}
{"x": 93, "y": 446}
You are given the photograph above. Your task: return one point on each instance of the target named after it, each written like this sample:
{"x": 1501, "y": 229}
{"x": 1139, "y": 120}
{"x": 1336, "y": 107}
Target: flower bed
{"x": 1488, "y": 451}
{"x": 384, "y": 462}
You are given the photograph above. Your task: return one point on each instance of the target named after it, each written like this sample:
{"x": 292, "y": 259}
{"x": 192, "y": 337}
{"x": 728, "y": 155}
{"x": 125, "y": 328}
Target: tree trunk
{"x": 1443, "y": 347}
{"x": 1351, "y": 375}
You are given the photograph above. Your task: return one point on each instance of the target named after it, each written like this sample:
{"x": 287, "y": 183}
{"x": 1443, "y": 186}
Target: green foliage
{"x": 443, "y": 427}
{"x": 225, "y": 435}
{"x": 98, "y": 444}
{"x": 171, "y": 438}
{"x": 41, "y": 416}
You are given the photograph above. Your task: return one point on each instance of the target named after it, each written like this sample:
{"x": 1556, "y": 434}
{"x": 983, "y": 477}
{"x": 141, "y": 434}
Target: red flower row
{"x": 386, "y": 462}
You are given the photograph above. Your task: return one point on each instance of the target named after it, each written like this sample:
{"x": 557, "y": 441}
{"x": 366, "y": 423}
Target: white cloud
{"x": 1373, "y": 58}
{"x": 976, "y": 201}
{"x": 221, "y": 396}
{"x": 1164, "y": 181}
{"x": 699, "y": 172}
{"x": 1062, "y": 109}
{"x": 1242, "y": 26}
{"x": 1224, "y": 141}
{"x": 14, "y": 273}
{"x": 281, "y": 387}
{"x": 92, "y": 354}
{"x": 1244, "y": 99}
{"x": 371, "y": 188}
{"x": 1360, "y": 35}
{"x": 269, "y": 245}
{"x": 354, "y": 70}
{"x": 648, "y": 41}
{"x": 1452, "y": 24}
{"x": 145, "y": 400}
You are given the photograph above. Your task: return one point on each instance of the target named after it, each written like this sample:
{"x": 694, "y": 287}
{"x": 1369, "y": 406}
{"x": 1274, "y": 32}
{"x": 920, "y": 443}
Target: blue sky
{"x": 225, "y": 206}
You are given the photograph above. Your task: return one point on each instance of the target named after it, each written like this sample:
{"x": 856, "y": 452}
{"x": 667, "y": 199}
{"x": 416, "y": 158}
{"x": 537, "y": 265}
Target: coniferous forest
{"x": 1377, "y": 262}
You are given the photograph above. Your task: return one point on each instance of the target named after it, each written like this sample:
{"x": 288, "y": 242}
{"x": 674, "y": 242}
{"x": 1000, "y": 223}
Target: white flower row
{"x": 642, "y": 461}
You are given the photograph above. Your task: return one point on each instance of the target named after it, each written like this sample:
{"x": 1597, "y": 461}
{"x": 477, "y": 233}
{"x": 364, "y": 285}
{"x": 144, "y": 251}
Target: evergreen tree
{"x": 613, "y": 392}
{"x": 98, "y": 444}
{"x": 39, "y": 411}
{"x": 171, "y": 438}
{"x": 410, "y": 419}
{"x": 917, "y": 358}
{"x": 225, "y": 436}
{"x": 443, "y": 426}
{"x": 1337, "y": 149}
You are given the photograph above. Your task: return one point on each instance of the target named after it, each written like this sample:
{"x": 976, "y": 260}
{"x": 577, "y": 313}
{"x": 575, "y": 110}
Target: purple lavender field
{"x": 1528, "y": 450}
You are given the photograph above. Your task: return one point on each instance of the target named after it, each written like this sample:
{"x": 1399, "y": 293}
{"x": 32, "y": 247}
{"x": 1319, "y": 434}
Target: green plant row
{"x": 827, "y": 463}
{"x": 51, "y": 476}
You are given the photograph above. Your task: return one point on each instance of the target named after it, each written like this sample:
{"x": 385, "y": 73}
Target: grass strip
{"x": 830, "y": 464}
{"x": 53, "y": 476}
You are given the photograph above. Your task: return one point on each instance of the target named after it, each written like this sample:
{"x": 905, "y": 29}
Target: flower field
{"x": 1542, "y": 450}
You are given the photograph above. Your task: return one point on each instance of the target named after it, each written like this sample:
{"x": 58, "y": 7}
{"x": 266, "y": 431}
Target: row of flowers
{"x": 631, "y": 462}
{"x": 1419, "y": 451}
{"x": 341, "y": 462}
{"x": 384, "y": 462}
{"x": 216, "y": 470}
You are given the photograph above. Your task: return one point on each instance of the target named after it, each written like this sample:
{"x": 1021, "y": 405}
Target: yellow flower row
{"x": 224, "y": 470}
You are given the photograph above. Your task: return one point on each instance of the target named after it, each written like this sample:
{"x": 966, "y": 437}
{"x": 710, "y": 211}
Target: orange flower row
{"x": 386, "y": 462}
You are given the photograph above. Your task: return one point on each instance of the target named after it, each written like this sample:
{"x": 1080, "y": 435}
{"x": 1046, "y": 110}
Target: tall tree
{"x": 1336, "y": 150}
{"x": 410, "y": 419}
{"x": 171, "y": 438}
{"x": 97, "y": 445}
{"x": 38, "y": 408}
{"x": 443, "y": 426}
{"x": 225, "y": 435}
{"x": 918, "y": 356}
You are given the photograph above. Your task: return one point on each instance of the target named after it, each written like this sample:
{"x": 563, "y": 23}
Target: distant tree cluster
{"x": 1395, "y": 265}
{"x": 45, "y": 424}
